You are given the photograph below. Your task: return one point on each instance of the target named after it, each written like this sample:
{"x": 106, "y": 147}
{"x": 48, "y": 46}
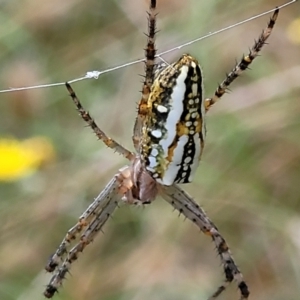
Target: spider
{"x": 169, "y": 137}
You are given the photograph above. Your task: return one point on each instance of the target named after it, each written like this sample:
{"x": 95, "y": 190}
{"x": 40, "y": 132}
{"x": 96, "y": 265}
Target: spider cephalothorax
{"x": 169, "y": 136}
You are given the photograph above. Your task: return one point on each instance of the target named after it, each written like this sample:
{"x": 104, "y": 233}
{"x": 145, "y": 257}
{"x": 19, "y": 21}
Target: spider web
{"x": 97, "y": 73}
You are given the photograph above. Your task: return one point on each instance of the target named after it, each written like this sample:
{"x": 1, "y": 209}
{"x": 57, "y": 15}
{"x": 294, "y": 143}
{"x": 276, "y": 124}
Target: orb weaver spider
{"x": 169, "y": 137}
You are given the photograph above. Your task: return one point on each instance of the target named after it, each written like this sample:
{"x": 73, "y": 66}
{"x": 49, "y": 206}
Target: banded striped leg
{"x": 85, "y": 219}
{"x": 109, "y": 142}
{"x": 150, "y": 52}
{"x": 181, "y": 201}
{"x": 244, "y": 63}
{"x": 93, "y": 220}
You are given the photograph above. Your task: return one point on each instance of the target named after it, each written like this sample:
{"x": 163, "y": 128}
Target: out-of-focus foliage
{"x": 248, "y": 181}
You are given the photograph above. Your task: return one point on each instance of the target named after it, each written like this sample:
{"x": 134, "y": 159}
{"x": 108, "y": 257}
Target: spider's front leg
{"x": 182, "y": 202}
{"x": 89, "y": 224}
{"x": 84, "y": 220}
{"x": 132, "y": 185}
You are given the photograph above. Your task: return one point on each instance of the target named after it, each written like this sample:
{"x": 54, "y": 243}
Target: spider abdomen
{"x": 173, "y": 135}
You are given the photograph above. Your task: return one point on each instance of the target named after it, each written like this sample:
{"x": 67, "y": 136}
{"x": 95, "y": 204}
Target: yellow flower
{"x": 20, "y": 158}
{"x": 293, "y": 31}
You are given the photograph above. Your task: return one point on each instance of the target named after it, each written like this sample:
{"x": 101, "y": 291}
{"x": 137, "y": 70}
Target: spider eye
{"x": 173, "y": 135}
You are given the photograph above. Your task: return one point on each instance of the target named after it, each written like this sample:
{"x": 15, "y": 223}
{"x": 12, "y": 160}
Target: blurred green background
{"x": 248, "y": 181}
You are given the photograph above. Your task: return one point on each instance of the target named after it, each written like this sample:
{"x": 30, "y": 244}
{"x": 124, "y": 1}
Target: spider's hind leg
{"x": 244, "y": 63}
{"x": 182, "y": 202}
{"x": 109, "y": 142}
{"x": 150, "y": 52}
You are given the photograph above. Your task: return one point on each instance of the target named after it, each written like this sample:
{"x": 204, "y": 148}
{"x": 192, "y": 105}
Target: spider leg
{"x": 93, "y": 220}
{"x": 84, "y": 220}
{"x": 109, "y": 142}
{"x": 244, "y": 63}
{"x": 181, "y": 201}
{"x": 150, "y": 52}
